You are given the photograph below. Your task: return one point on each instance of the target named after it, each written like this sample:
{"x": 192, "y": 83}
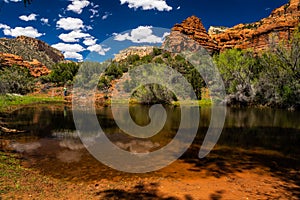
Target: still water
{"x": 251, "y": 138}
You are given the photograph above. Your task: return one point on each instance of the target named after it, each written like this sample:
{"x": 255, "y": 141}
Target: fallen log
{"x": 8, "y": 130}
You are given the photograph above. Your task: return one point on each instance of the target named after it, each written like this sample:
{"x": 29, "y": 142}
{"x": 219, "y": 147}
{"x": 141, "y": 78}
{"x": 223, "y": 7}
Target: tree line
{"x": 269, "y": 78}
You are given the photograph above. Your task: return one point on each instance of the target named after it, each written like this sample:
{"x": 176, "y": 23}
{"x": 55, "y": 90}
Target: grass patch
{"x": 9, "y": 100}
{"x": 10, "y": 173}
{"x": 132, "y": 101}
{"x": 202, "y": 102}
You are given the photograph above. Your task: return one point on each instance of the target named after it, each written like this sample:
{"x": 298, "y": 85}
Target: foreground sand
{"x": 180, "y": 180}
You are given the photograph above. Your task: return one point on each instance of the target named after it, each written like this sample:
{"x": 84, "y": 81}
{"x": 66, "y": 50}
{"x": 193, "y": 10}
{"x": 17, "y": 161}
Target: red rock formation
{"x": 194, "y": 29}
{"x": 36, "y": 68}
{"x": 280, "y": 25}
{"x": 30, "y": 48}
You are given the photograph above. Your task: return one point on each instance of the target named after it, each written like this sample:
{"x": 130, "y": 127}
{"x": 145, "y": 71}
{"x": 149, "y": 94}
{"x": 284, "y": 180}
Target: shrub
{"x": 114, "y": 70}
{"x": 62, "y": 73}
{"x": 16, "y": 79}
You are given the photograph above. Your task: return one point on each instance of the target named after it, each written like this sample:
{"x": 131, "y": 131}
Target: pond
{"x": 251, "y": 137}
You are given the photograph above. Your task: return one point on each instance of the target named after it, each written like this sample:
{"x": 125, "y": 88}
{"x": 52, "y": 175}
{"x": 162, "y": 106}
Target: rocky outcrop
{"x": 35, "y": 67}
{"x": 216, "y": 30}
{"x": 30, "y": 48}
{"x": 141, "y": 51}
{"x": 279, "y": 26}
{"x": 194, "y": 29}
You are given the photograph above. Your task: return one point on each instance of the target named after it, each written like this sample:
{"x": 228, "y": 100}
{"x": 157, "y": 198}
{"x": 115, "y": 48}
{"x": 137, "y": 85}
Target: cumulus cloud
{"x": 159, "y": 5}
{"x": 31, "y": 17}
{"x": 77, "y": 6}
{"x": 70, "y": 50}
{"x": 45, "y": 21}
{"x": 73, "y": 36}
{"x": 89, "y": 41}
{"x": 4, "y": 26}
{"x": 68, "y": 47}
{"x": 17, "y": 31}
{"x": 70, "y": 23}
{"x": 73, "y": 55}
{"x": 7, "y": 1}
{"x": 98, "y": 49}
{"x": 142, "y": 34}
{"x": 107, "y": 14}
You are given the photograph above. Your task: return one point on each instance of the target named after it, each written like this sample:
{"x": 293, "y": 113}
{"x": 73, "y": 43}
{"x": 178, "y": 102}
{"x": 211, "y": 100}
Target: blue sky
{"x": 97, "y": 29}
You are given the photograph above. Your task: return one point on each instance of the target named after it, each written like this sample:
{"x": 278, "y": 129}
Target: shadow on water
{"x": 251, "y": 139}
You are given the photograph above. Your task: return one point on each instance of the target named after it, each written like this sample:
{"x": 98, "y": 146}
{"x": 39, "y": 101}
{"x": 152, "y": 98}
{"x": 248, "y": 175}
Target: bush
{"x": 279, "y": 82}
{"x": 62, "y": 73}
{"x": 157, "y": 51}
{"x": 132, "y": 59}
{"x": 239, "y": 71}
{"x": 16, "y": 79}
{"x": 114, "y": 70}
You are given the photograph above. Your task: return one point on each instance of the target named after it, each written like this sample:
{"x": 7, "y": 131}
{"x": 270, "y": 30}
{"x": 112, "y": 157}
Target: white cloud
{"x": 68, "y": 47}
{"x": 98, "y": 49}
{"x": 89, "y": 41}
{"x": 73, "y": 55}
{"x": 7, "y": 1}
{"x": 107, "y": 14}
{"x": 178, "y": 7}
{"x": 95, "y": 13}
{"x": 17, "y": 31}
{"x": 88, "y": 27}
{"x": 70, "y": 50}
{"x": 77, "y": 6}
{"x": 73, "y": 36}
{"x": 31, "y": 17}
{"x": 159, "y": 5}
{"x": 142, "y": 34}
{"x": 4, "y": 26}
{"x": 45, "y": 21}
{"x": 70, "y": 23}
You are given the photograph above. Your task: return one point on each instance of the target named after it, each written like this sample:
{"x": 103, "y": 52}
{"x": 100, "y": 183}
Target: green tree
{"x": 62, "y": 73}
{"x": 114, "y": 70}
{"x": 239, "y": 71}
{"x": 279, "y": 82}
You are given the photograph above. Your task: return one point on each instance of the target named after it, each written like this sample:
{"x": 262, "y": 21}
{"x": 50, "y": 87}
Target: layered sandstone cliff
{"x": 141, "y": 51}
{"x": 194, "y": 29}
{"x": 35, "y": 67}
{"x": 280, "y": 25}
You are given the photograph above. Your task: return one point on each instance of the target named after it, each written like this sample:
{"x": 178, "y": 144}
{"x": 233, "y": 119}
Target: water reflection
{"x": 51, "y": 143}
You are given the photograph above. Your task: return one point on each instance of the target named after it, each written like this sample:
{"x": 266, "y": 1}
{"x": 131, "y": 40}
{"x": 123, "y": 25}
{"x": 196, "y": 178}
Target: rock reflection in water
{"x": 138, "y": 146}
{"x": 52, "y": 145}
{"x": 68, "y": 156}
{"x": 24, "y": 148}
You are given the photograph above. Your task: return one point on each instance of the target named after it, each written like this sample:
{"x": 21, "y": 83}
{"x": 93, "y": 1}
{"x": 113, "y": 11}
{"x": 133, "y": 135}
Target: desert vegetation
{"x": 269, "y": 78}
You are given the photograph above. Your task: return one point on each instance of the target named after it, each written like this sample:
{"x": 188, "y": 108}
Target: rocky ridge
{"x": 194, "y": 29}
{"x": 134, "y": 50}
{"x": 279, "y": 26}
{"x": 30, "y": 49}
{"x": 35, "y": 67}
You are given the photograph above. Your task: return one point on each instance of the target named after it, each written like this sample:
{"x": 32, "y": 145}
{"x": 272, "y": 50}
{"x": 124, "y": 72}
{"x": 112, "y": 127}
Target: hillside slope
{"x": 30, "y": 49}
